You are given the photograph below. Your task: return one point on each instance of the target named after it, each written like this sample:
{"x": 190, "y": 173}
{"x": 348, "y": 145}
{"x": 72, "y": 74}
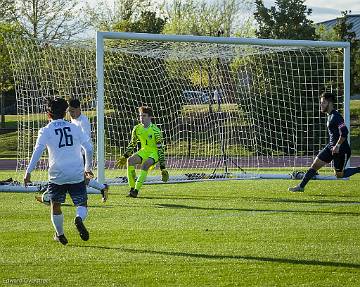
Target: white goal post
{"x": 229, "y": 108}
{"x": 102, "y": 36}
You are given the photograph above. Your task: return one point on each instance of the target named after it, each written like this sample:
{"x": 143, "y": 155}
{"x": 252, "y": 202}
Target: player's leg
{"x": 104, "y": 188}
{"x": 340, "y": 161}
{"x": 340, "y": 164}
{"x": 323, "y": 158}
{"x": 57, "y": 195}
{"x": 131, "y": 163}
{"x": 78, "y": 195}
{"x": 143, "y": 174}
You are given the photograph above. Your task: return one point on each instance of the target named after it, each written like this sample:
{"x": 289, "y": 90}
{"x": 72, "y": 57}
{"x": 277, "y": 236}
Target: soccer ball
{"x": 45, "y": 198}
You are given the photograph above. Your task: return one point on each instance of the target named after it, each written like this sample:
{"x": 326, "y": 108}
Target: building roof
{"x": 354, "y": 19}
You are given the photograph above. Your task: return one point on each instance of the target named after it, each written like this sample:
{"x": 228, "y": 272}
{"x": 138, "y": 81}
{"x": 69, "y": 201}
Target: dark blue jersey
{"x": 336, "y": 128}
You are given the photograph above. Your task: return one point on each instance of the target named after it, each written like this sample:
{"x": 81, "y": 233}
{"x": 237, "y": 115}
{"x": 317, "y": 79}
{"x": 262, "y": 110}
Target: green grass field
{"x": 233, "y": 233}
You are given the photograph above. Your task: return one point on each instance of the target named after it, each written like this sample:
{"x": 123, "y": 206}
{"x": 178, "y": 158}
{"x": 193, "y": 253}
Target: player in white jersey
{"x": 64, "y": 142}
{"x": 82, "y": 122}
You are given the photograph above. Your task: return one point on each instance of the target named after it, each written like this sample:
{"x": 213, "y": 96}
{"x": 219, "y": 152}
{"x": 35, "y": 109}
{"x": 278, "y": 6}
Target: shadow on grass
{"x": 292, "y": 200}
{"x": 236, "y": 196}
{"x": 187, "y": 197}
{"x": 178, "y": 206}
{"x": 235, "y": 257}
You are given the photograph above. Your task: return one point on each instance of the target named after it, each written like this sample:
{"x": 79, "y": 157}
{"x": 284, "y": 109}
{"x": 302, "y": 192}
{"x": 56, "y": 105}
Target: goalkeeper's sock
{"x": 351, "y": 171}
{"x": 58, "y": 223}
{"x": 131, "y": 174}
{"x": 95, "y": 184}
{"x": 141, "y": 179}
{"x": 82, "y": 212}
{"x": 308, "y": 175}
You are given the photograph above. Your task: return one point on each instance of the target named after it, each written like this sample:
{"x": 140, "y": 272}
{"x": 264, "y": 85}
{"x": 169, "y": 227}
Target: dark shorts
{"x": 77, "y": 192}
{"x": 340, "y": 159}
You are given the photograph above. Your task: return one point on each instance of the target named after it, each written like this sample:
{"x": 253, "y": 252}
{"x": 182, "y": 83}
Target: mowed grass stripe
{"x": 245, "y": 233}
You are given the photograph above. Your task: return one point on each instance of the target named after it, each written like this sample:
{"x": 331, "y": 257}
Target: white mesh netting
{"x": 225, "y": 110}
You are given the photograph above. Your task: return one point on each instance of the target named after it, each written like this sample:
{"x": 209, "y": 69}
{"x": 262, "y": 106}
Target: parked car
{"x": 196, "y": 97}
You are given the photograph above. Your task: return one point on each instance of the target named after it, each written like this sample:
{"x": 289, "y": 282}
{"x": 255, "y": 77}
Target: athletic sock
{"x": 58, "y": 223}
{"x": 141, "y": 179}
{"x": 82, "y": 211}
{"x": 351, "y": 171}
{"x": 308, "y": 175}
{"x": 131, "y": 175}
{"x": 95, "y": 184}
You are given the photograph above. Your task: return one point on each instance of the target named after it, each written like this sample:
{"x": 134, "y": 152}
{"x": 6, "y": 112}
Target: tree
{"x": 119, "y": 16}
{"x": 148, "y": 23}
{"x": 7, "y": 89}
{"x": 286, "y": 20}
{"x": 50, "y": 19}
{"x": 204, "y": 17}
{"x": 342, "y": 32}
{"x": 343, "y": 28}
{"x": 7, "y": 11}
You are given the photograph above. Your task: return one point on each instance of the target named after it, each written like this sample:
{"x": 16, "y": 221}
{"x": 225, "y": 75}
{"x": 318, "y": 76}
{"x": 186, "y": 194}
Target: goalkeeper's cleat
{"x": 164, "y": 175}
{"x": 297, "y": 188}
{"x": 133, "y": 193}
{"x": 61, "y": 238}
{"x": 105, "y": 193}
{"x": 39, "y": 198}
{"x": 84, "y": 234}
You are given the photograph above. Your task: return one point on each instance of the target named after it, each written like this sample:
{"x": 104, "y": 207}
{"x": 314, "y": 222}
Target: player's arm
{"x": 161, "y": 153}
{"x": 130, "y": 148}
{"x": 88, "y": 148}
{"x": 39, "y": 148}
{"x": 343, "y": 131}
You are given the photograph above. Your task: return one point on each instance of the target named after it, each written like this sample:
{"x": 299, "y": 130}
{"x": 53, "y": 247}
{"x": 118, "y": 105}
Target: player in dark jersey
{"x": 338, "y": 148}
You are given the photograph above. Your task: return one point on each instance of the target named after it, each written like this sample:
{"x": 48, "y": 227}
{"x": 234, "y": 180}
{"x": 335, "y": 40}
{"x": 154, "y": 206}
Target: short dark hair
{"x": 146, "y": 110}
{"x": 74, "y": 103}
{"x": 56, "y": 108}
{"x": 330, "y": 97}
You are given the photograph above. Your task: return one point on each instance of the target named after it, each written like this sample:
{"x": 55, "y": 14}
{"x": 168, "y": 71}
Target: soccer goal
{"x": 229, "y": 108}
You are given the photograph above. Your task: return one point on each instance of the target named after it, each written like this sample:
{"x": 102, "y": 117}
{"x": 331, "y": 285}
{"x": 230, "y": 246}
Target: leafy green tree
{"x": 203, "y": 17}
{"x": 7, "y": 89}
{"x": 51, "y": 19}
{"x": 148, "y": 23}
{"x": 342, "y": 31}
{"x": 119, "y": 16}
{"x": 7, "y": 11}
{"x": 286, "y": 20}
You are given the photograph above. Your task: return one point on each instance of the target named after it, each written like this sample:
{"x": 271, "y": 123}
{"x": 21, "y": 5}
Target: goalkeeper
{"x": 151, "y": 151}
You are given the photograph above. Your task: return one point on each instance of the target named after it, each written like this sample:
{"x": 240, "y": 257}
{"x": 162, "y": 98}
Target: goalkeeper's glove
{"x": 121, "y": 161}
{"x": 164, "y": 175}
{"x": 88, "y": 175}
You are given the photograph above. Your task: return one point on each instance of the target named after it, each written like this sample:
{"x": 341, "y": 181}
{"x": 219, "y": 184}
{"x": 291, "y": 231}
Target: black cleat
{"x": 297, "y": 188}
{"x": 61, "y": 238}
{"x": 104, "y": 193}
{"x": 84, "y": 234}
{"x": 133, "y": 193}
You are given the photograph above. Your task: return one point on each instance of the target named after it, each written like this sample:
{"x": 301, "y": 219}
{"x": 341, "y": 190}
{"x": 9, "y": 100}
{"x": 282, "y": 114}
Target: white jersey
{"x": 83, "y": 122}
{"x": 64, "y": 141}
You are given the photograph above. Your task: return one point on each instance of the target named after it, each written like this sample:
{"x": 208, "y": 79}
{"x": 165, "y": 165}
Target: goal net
{"x": 227, "y": 109}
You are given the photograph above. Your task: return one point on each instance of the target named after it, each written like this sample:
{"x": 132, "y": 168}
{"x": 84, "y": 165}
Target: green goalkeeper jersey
{"x": 150, "y": 138}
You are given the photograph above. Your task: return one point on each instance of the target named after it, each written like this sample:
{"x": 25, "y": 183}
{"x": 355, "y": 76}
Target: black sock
{"x": 308, "y": 175}
{"x": 351, "y": 171}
